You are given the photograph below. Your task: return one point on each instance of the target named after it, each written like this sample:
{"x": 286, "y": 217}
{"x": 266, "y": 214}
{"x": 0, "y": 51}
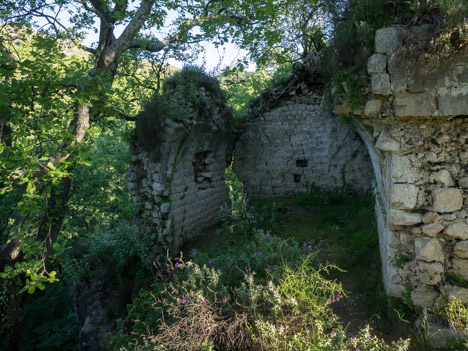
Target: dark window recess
{"x": 202, "y": 163}
{"x": 301, "y": 163}
{"x": 297, "y": 178}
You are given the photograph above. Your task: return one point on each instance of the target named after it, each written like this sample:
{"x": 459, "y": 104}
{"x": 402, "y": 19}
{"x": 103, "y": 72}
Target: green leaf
{"x": 8, "y": 269}
{"x": 30, "y": 188}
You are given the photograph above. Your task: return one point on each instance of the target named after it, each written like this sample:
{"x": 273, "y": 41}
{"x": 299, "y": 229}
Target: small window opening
{"x": 301, "y": 163}
{"x": 297, "y": 178}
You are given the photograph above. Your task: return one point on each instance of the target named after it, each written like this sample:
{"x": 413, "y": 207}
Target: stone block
{"x": 455, "y": 292}
{"x": 460, "y": 264}
{"x": 403, "y": 218}
{"x": 414, "y": 105}
{"x": 447, "y": 200}
{"x": 387, "y": 40}
{"x": 377, "y": 63}
{"x": 431, "y": 217}
{"x": 402, "y": 169}
{"x": 165, "y": 207}
{"x": 428, "y": 250}
{"x": 444, "y": 177}
{"x": 404, "y": 196}
{"x": 430, "y": 273}
{"x": 424, "y": 298}
{"x": 453, "y": 105}
{"x": 386, "y": 143}
{"x": 463, "y": 182}
{"x": 461, "y": 249}
{"x": 439, "y": 335}
{"x": 158, "y": 188}
{"x": 381, "y": 84}
{"x": 432, "y": 229}
{"x": 372, "y": 107}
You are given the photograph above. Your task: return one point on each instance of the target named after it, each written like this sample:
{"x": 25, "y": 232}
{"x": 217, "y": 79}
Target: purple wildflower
{"x": 267, "y": 235}
{"x": 185, "y": 300}
{"x": 269, "y": 268}
{"x": 210, "y": 262}
{"x": 176, "y": 264}
{"x": 304, "y": 244}
{"x": 260, "y": 254}
{"x": 203, "y": 302}
{"x": 309, "y": 247}
{"x": 271, "y": 278}
{"x": 254, "y": 254}
{"x": 194, "y": 269}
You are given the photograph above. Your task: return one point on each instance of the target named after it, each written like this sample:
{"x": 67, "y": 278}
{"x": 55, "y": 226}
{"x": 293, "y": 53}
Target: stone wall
{"x": 415, "y": 127}
{"x": 179, "y": 184}
{"x": 297, "y": 145}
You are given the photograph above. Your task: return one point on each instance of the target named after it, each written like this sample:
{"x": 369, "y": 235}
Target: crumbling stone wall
{"x": 297, "y": 145}
{"x": 415, "y": 127}
{"x": 178, "y": 183}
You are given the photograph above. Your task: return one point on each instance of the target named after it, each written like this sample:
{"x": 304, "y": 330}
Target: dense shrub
{"x": 266, "y": 294}
{"x": 186, "y": 95}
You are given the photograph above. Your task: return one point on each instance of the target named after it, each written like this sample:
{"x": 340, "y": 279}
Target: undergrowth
{"x": 256, "y": 289}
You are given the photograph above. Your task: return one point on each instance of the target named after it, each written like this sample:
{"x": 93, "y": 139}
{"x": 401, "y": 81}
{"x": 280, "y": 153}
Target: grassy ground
{"x": 342, "y": 228}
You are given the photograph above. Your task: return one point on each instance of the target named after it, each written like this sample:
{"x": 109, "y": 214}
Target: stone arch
{"x": 415, "y": 128}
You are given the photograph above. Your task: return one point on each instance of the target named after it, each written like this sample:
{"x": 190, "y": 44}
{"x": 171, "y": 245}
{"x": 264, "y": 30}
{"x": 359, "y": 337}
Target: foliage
{"x": 50, "y": 322}
{"x": 268, "y": 294}
{"x": 187, "y": 94}
{"x": 456, "y": 314}
{"x": 242, "y": 87}
{"x": 38, "y": 110}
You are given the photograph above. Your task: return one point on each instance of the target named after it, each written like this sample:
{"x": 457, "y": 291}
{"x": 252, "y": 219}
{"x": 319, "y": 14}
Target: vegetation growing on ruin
{"x": 65, "y": 214}
{"x": 186, "y": 96}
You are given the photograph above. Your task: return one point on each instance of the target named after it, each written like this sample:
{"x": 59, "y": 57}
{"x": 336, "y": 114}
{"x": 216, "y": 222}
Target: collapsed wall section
{"x": 177, "y": 177}
{"x": 298, "y": 145}
{"x": 415, "y": 126}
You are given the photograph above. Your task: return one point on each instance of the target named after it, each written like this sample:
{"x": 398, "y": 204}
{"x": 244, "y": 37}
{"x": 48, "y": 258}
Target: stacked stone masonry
{"x": 415, "y": 127}
{"x": 181, "y": 191}
{"x": 298, "y": 145}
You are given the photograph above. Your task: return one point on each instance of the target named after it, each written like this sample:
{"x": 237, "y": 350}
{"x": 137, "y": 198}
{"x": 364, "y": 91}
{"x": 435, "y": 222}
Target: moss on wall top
{"x": 188, "y": 96}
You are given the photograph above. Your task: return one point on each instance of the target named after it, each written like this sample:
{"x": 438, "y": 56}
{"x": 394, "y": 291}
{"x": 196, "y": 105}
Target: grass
{"x": 342, "y": 227}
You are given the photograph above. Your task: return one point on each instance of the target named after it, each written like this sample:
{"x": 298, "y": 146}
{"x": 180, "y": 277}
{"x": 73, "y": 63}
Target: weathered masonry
{"x": 179, "y": 183}
{"x": 415, "y": 127}
{"x": 298, "y": 145}
{"x": 178, "y": 180}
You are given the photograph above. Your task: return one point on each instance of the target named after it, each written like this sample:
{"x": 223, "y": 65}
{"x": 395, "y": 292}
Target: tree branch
{"x": 14, "y": 60}
{"x": 100, "y": 14}
{"x": 146, "y": 45}
{"x": 130, "y": 32}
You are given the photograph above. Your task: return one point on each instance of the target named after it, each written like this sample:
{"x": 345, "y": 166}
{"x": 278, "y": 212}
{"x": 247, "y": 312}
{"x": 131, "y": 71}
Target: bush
{"x": 186, "y": 95}
{"x": 266, "y": 294}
